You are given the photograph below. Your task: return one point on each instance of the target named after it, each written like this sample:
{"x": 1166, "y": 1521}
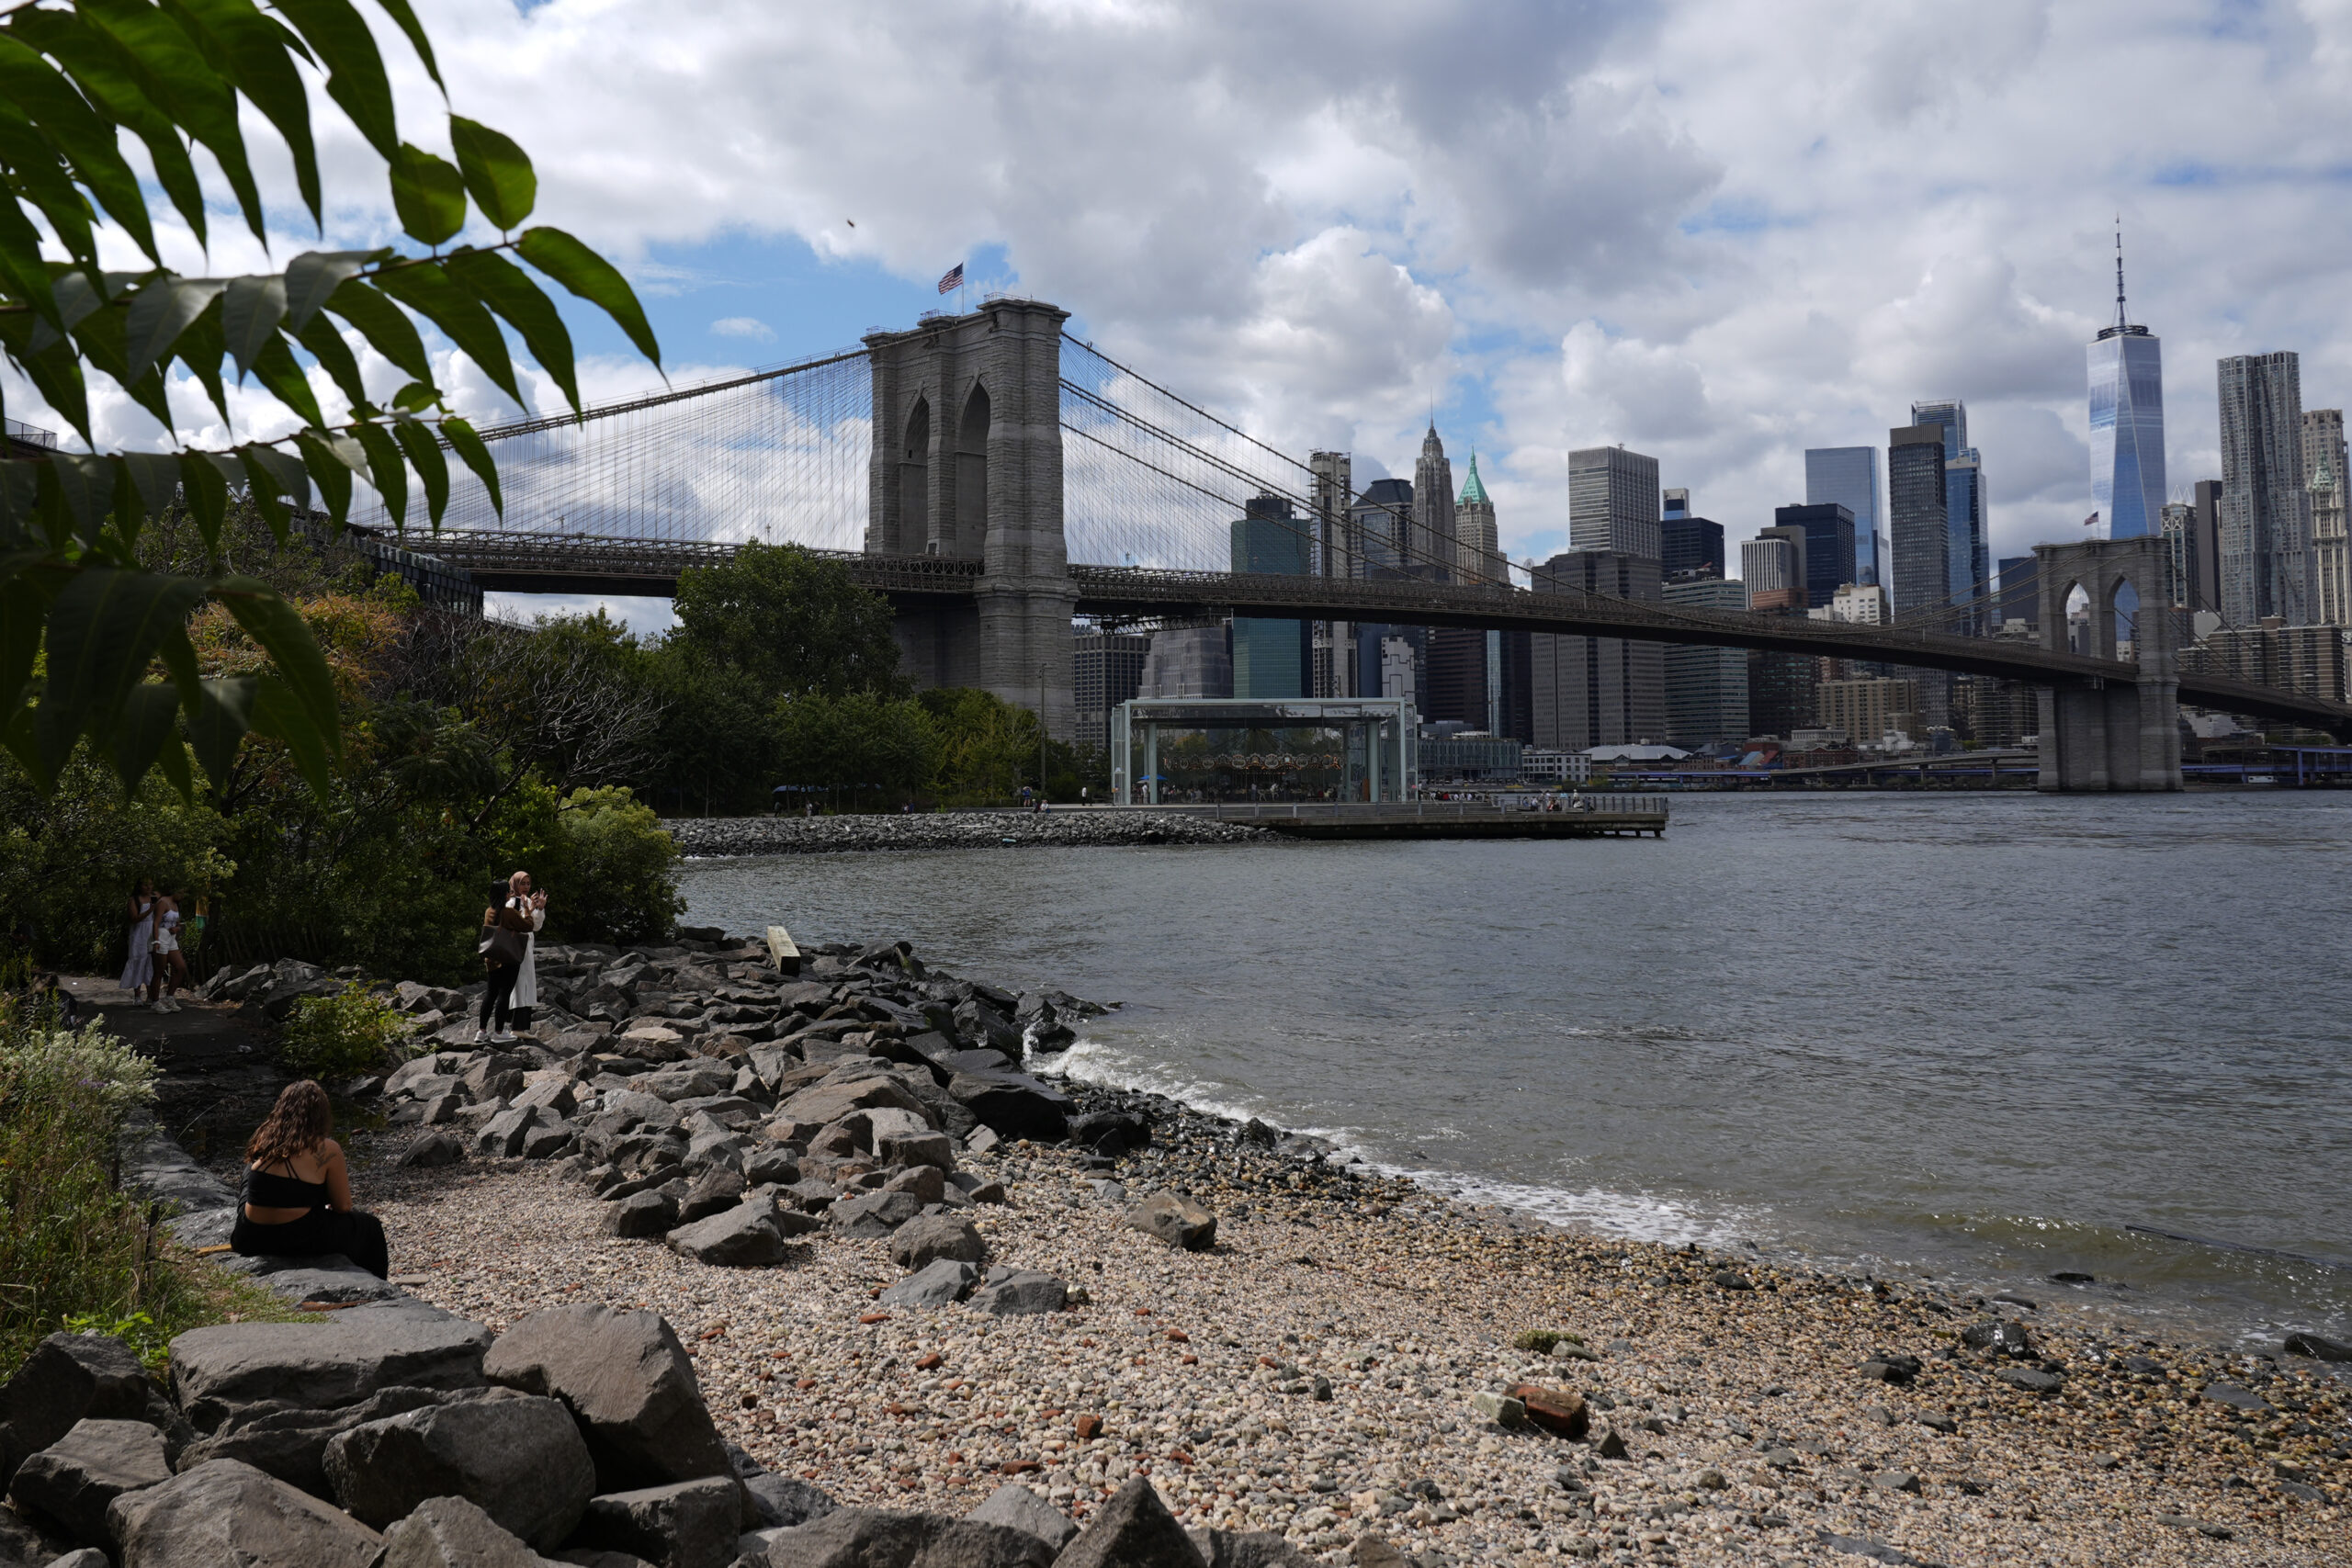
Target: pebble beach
{"x": 1318, "y": 1373}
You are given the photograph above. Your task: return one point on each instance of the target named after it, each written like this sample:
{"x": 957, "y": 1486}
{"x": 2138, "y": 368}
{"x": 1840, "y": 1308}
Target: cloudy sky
{"x": 1715, "y": 231}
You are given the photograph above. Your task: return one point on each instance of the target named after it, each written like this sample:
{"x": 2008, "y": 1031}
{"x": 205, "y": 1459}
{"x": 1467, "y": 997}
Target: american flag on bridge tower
{"x": 953, "y": 280}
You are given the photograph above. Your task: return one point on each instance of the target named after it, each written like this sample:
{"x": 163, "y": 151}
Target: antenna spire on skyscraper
{"x": 2120, "y": 320}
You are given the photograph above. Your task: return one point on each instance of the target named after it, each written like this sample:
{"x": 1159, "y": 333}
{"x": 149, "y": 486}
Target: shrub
{"x": 340, "y": 1036}
{"x": 624, "y": 871}
{"x": 1541, "y": 1340}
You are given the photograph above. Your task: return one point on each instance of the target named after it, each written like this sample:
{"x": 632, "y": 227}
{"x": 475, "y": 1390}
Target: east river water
{"x": 1975, "y": 1037}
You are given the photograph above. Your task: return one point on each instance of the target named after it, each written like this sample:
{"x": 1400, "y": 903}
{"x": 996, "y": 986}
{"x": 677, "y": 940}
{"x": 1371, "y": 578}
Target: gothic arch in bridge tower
{"x": 2111, "y": 734}
{"x": 972, "y": 467}
{"x": 914, "y": 481}
{"x": 989, "y": 494}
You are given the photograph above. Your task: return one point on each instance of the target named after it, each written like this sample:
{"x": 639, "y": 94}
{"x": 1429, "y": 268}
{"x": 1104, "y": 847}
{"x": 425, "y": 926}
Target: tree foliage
{"x": 795, "y": 623}
{"x": 82, "y": 617}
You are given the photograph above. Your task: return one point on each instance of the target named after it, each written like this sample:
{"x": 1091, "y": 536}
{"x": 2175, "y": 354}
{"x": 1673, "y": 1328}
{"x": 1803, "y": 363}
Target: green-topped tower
{"x": 1474, "y": 522}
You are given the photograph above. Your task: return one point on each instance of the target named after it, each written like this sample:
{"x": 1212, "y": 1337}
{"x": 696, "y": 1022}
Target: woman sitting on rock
{"x": 297, "y": 1190}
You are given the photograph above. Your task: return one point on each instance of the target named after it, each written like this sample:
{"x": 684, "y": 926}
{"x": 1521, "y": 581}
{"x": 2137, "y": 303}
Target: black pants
{"x": 493, "y": 998}
{"x": 358, "y": 1236}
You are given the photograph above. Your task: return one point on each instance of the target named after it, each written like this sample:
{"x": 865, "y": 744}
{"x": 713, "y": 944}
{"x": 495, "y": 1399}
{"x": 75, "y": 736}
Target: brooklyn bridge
{"x": 995, "y": 477}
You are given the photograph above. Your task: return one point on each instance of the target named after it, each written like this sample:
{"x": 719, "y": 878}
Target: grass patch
{"x": 1542, "y": 1340}
{"x": 76, "y": 1253}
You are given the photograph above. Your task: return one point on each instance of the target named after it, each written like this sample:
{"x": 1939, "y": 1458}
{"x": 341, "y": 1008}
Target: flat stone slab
{"x": 339, "y": 1362}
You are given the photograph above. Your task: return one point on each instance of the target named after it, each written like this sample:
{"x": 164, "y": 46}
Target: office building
{"x": 1968, "y": 565}
{"x": 1272, "y": 657}
{"x": 1692, "y": 546}
{"x": 1870, "y": 709}
{"x": 1828, "y": 547}
{"x": 1511, "y": 657}
{"x": 1469, "y": 758}
{"x": 1613, "y": 503}
{"x": 1435, "y": 550}
{"x": 1847, "y": 476}
{"x": 1108, "y": 671}
{"x": 1393, "y": 661}
{"x": 2324, "y": 479}
{"x": 2021, "y": 591}
{"x": 1380, "y": 528}
{"x": 1993, "y": 712}
{"x": 1772, "y": 564}
{"x": 1458, "y": 677}
{"x": 1919, "y": 520}
{"x": 2307, "y": 660}
{"x": 1781, "y": 689}
{"x": 2205, "y": 546}
{"x": 1481, "y": 542}
{"x": 1855, "y": 605}
{"x": 1706, "y": 688}
{"x": 2266, "y": 524}
{"x": 2177, "y": 526}
{"x": 1188, "y": 661}
{"x": 2127, "y": 390}
{"x": 1587, "y": 691}
{"x": 1331, "y": 644}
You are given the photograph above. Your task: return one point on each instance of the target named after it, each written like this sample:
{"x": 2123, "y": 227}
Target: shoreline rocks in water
{"x": 960, "y": 1275}
{"x": 1067, "y": 826}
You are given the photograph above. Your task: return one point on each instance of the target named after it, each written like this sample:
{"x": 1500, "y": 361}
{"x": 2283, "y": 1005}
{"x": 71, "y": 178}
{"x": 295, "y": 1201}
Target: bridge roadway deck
{"x": 523, "y": 562}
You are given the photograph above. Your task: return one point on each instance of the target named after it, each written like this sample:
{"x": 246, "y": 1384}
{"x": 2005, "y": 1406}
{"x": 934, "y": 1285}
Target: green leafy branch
{"x": 75, "y": 79}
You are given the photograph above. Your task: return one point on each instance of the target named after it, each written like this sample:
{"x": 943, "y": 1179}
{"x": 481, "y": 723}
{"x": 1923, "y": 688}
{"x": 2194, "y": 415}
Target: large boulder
{"x": 1133, "y": 1530}
{"x": 829, "y": 1101}
{"x": 1014, "y": 1104}
{"x": 341, "y": 1361}
{"x": 874, "y": 1214}
{"x": 745, "y": 1236}
{"x": 1020, "y": 1294}
{"x": 690, "y": 1524}
{"x": 1176, "y": 1219}
{"x": 68, "y": 1378}
{"x": 928, "y": 1237}
{"x": 854, "y": 1538}
{"x": 627, "y": 1382}
{"x": 72, "y": 1480}
{"x": 642, "y": 1215}
{"x": 450, "y": 1532}
{"x": 227, "y": 1514}
{"x": 519, "y": 1457}
{"x": 717, "y": 1192}
{"x": 974, "y": 1543}
{"x": 293, "y": 1444}
{"x": 940, "y": 1283}
{"x": 1015, "y": 1505}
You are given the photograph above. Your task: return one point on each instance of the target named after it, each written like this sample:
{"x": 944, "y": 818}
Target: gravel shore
{"x": 1314, "y": 1373}
{"x": 951, "y": 831}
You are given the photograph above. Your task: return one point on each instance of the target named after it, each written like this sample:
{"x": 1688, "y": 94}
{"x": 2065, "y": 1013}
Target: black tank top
{"x": 265, "y": 1189}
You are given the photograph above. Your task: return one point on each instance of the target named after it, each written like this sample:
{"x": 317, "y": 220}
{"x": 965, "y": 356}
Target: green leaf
{"x": 175, "y": 74}
{"x": 313, "y": 277}
{"x": 592, "y": 278}
{"x": 432, "y": 467}
{"x": 22, "y": 272}
{"x": 108, "y": 78}
{"x": 387, "y": 329}
{"x": 159, "y": 313}
{"x": 139, "y": 733}
{"x": 201, "y": 348}
{"x": 272, "y": 623}
{"x": 269, "y": 474}
{"x": 22, "y": 612}
{"x": 334, "y": 355}
{"x": 156, "y": 477}
{"x": 497, "y": 172}
{"x": 220, "y": 719}
{"x": 426, "y": 289}
{"x": 428, "y": 193}
{"x": 277, "y": 368}
{"x": 398, "y": 11}
{"x": 103, "y": 629}
{"x": 86, "y": 481}
{"x": 507, "y": 289}
{"x": 385, "y": 469}
{"x": 332, "y": 460}
{"x": 75, "y": 130}
{"x": 355, "y": 78}
{"x": 415, "y": 398}
{"x": 249, "y": 316}
{"x": 258, "y": 61}
{"x": 280, "y": 715}
{"x": 470, "y": 447}
{"x": 42, "y": 178}
{"x": 208, "y": 497}
{"x": 173, "y": 761}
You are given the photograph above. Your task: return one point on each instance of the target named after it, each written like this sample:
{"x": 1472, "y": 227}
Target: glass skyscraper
{"x": 1968, "y": 557}
{"x": 1270, "y": 658}
{"x": 1848, "y": 477}
{"x": 2127, "y": 422}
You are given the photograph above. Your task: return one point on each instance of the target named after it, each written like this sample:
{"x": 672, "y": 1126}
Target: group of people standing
{"x": 156, "y": 966}
{"x": 509, "y": 945}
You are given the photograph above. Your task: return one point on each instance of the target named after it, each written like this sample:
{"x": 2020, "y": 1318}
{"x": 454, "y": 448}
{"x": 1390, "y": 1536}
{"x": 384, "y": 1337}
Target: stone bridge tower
{"x": 967, "y": 465}
{"x": 2115, "y": 736}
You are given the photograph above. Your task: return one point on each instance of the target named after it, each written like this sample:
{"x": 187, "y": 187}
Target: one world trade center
{"x": 2127, "y": 422}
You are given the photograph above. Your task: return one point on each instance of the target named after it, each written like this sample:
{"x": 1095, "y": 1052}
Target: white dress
{"x": 527, "y": 978}
{"x": 141, "y": 968}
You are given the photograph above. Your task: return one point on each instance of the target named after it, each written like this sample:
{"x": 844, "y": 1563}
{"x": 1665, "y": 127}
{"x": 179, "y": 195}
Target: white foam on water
{"x": 1634, "y": 1216}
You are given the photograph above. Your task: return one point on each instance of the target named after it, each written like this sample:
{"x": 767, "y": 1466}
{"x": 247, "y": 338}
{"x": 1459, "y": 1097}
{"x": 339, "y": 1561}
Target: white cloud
{"x": 750, "y": 327}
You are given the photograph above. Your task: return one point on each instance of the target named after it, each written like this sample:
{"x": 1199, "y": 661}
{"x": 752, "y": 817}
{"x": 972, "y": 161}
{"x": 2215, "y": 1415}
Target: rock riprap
{"x": 1082, "y": 827}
